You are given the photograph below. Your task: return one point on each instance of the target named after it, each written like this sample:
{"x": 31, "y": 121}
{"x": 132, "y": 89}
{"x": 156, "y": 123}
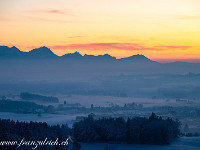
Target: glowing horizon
{"x": 161, "y": 30}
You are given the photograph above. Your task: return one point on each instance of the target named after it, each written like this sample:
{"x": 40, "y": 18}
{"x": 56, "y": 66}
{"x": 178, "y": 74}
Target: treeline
{"x": 138, "y": 130}
{"x": 32, "y": 131}
{"x": 19, "y": 106}
{"x": 24, "y": 107}
{"x": 30, "y": 96}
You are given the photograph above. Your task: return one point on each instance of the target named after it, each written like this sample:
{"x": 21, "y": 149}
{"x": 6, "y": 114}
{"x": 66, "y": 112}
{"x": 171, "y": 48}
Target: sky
{"x": 162, "y": 30}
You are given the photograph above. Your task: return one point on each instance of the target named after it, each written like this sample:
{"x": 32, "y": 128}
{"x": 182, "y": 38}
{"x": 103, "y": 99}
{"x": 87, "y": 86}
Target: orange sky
{"x": 163, "y": 30}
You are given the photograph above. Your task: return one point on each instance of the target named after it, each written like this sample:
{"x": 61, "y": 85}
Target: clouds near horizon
{"x": 118, "y": 46}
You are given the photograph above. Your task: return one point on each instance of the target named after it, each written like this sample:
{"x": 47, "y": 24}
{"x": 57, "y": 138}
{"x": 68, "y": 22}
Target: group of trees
{"x": 30, "y": 96}
{"x": 32, "y": 131}
{"x": 139, "y": 130}
{"x": 19, "y": 106}
{"x": 24, "y": 107}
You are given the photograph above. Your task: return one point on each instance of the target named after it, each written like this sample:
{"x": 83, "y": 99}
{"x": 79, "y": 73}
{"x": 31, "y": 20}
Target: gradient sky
{"x": 162, "y": 30}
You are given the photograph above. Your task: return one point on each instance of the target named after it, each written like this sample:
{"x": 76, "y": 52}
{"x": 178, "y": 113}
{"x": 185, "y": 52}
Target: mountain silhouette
{"x": 12, "y": 52}
{"x": 136, "y": 58}
{"x": 72, "y": 55}
{"x": 42, "y": 64}
{"x": 42, "y": 52}
{"x": 46, "y": 53}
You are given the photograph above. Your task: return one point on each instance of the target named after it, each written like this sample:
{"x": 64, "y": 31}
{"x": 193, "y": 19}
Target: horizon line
{"x": 160, "y": 60}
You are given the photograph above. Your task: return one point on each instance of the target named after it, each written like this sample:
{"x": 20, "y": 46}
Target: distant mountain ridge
{"x": 6, "y": 52}
{"x": 46, "y": 53}
{"x": 42, "y": 52}
{"x": 41, "y": 64}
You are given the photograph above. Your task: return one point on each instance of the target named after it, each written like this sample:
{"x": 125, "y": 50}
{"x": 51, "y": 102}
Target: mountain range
{"x": 40, "y": 70}
{"x": 41, "y": 64}
{"x": 46, "y": 53}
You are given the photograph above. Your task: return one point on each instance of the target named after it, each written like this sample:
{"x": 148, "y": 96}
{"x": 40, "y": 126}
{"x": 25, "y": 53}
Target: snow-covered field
{"x": 104, "y": 101}
{"x": 51, "y": 119}
{"x": 183, "y": 143}
{"x": 69, "y": 117}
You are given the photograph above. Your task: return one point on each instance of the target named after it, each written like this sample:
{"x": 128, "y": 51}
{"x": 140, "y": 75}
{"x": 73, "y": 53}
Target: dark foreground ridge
{"x": 139, "y": 130}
